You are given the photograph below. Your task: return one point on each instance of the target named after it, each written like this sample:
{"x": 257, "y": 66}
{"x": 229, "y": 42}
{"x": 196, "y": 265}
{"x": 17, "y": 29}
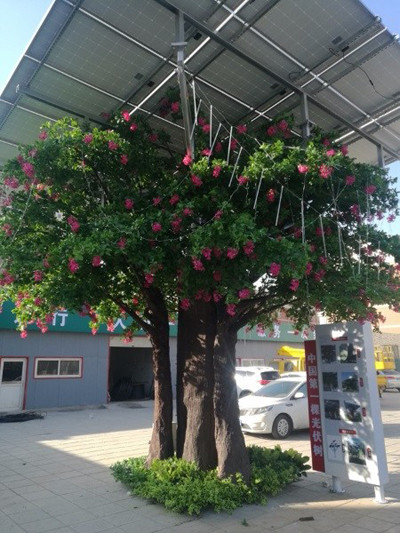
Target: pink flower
{"x": 11, "y": 182}
{"x": 149, "y": 279}
{"x": 44, "y": 329}
{"x": 274, "y": 269}
{"x": 33, "y": 152}
{"x": 350, "y": 180}
{"x": 206, "y": 253}
{"x": 187, "y": 212}
{"x": 391, "y": 218}
{"x": 74, "y": 224}
{"x": 156, "y": 200}
{"x": 42, "y": 135}
{"x": 197, "y": 182}
{"x": 37, "y": 301}
{"x": 23, "y": 334}
{"x": 216, "y": 296}
{"x": 325, "y": 171}
{"x": 308, "y": 268}
{"x": 271, "y": 131}
{"x": 330, "y": 153}
{"x": 156, "y": 227}
{"x": 370, "y": 189}
{"x": 355, "y": 209}
{"x": 294, "y": 285}
{"x": 234, "y": 144}
{"x": 217, "y": 276}
{"x": 112, "y": 145}
{"x": 232, "y": 253}
{"x": 73, "y": 265}
{"x": 28, "y": 170}
{"x": 197, "y": 264}
{"x": 128, "y": 203}
{"x": 174, "y": 199}
{"x": 218, "y": 214}
{"x": 218, "y": 147}
{"x": 242, "y": 180}
{"x": 187, "y": 160}
{"x": 96, "y": 261}
{"x": 175, "y": 107}
{"x": 241, "y": 128}
{"x": 206, "y": 128}
{"x": 121, "y": 243}
{"x": 126, "y": 116}
{"x": 283, "y": 125}
{"x": 248, "y": 248}
{"x": 7, "y": 229}
{"x": 88, "y": 138}
{"x": 326, "y": 142}
{"x": 201, "y": 121}
{"x": 94, "y": 331}
{"x": 303, "y": 169}
{"x": 176, "y": 224}
{"x": 206, "y": 152}
{"x": 38, "y": 275}
{"x": 153, "y": 138}
{"x": 270, "y": 195}
{"x": 344, "y": 149}
{"x": 185, "y": 304}
{"x": 244, "y": 294}
{"x": 133, "y": 126}
{"x": 231, "y": 309}
{"x": 124, "y": 159}
{"x": 319, "y": 275}
{"x": 216, "y": 171}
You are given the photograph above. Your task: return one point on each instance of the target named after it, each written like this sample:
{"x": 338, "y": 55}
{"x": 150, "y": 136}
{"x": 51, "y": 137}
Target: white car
{"x": 392, "y": 378}
{"x": 295, "y": 374}
{"x": 277, "y": 408}
{"x": 251, "y": 378}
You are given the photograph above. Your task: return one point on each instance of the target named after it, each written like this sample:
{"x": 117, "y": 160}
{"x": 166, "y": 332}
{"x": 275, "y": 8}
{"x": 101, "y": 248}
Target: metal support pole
{"x": 180, "y": 59}
{"x": 381, "y": 159}
{"x": 305, "y": 118}
{"x": 379, "y": 494}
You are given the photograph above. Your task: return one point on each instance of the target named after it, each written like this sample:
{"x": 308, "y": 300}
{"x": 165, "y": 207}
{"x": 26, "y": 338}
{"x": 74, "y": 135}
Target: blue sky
{"x": 20, "y": 19}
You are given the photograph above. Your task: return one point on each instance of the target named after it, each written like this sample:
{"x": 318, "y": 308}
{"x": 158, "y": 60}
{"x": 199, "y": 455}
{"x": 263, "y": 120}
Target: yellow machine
{"x": 290, "y": 359}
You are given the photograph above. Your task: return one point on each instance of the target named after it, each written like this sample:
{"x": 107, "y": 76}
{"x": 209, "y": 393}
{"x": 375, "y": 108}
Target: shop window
{"x": 70, "y": 367}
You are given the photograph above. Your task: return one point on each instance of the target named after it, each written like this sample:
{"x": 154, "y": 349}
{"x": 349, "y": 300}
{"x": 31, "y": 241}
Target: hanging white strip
{"x": 323, "y": 235}
{"x": 211, "y": 123}
{"x": 229, "y": 145}
{"x": 236, "y": 164}
{"x": 213, "y": 143}
{"x": 279, "y": 206}
{"x": 258, "y": 189}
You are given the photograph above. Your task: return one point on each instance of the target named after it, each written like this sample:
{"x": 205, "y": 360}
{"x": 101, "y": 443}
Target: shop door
{"x": 12, "y": 383}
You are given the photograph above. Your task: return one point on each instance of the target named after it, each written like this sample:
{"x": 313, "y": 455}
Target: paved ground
{"x": 54, "y": 476}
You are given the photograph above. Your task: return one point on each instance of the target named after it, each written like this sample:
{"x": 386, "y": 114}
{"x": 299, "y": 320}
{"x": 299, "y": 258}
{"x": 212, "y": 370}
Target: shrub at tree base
{"x": 182, "y": 487}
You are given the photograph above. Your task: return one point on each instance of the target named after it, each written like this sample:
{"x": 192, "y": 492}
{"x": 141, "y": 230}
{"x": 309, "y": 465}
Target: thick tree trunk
{"x": 161, "y": 443}
{"x": 195, "y": 384}
{"x": 231, "y": 448}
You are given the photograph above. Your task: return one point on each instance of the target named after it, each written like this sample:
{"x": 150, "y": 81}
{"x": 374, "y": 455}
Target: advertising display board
{"x": 342, "y": 381}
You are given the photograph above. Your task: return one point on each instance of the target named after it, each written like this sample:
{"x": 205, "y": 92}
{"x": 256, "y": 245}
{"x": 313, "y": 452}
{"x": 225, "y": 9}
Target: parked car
{"x": 295, "y": 374}
{"x": 277, "y": 408}
{"x": 392, "y": 378}
{"x": 251, "y": 378}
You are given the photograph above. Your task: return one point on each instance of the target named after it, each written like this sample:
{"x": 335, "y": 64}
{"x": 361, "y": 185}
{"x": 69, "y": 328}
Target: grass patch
{"x": 182, "y": 487}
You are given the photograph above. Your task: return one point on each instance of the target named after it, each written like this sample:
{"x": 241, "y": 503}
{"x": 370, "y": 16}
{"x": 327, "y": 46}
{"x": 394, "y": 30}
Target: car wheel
{"x": 244, "y": 393}
{"x": 398, "y": 389}
{"x": 282, "y": 427}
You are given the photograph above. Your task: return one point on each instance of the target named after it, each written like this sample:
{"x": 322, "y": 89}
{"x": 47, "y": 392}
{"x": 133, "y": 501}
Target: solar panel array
{"x": 250, "y": 59}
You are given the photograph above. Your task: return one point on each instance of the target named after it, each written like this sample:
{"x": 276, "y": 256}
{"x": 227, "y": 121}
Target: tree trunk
{"x": 231, "y": 448}
{"x": 195, "y": 384}
{"x": 161, "y": 443}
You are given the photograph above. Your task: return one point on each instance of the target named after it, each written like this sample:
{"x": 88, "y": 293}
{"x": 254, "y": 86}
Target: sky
{"x": 19, "y": 20}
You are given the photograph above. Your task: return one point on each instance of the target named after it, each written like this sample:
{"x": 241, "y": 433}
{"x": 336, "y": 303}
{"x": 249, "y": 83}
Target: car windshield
{"x": 390, "y": 372}
{"x": 277, "y": 389}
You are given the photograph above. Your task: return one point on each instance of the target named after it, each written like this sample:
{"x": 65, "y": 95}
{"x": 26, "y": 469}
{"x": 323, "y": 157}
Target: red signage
{"x": 314, "y": 407}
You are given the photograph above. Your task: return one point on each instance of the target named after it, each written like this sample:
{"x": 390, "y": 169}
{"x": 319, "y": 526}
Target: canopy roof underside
{"x": 250, "y": 60}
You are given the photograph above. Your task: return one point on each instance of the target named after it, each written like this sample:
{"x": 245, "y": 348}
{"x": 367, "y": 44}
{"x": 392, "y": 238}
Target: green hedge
{"x": 182, "y": 487}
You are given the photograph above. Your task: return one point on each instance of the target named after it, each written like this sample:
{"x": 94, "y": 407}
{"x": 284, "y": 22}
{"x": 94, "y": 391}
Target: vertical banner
{"x": 314, "y": 406}
{"x": 351, "y": 425}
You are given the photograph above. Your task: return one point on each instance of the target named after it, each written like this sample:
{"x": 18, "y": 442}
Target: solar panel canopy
{"x": 329, "y": 63}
